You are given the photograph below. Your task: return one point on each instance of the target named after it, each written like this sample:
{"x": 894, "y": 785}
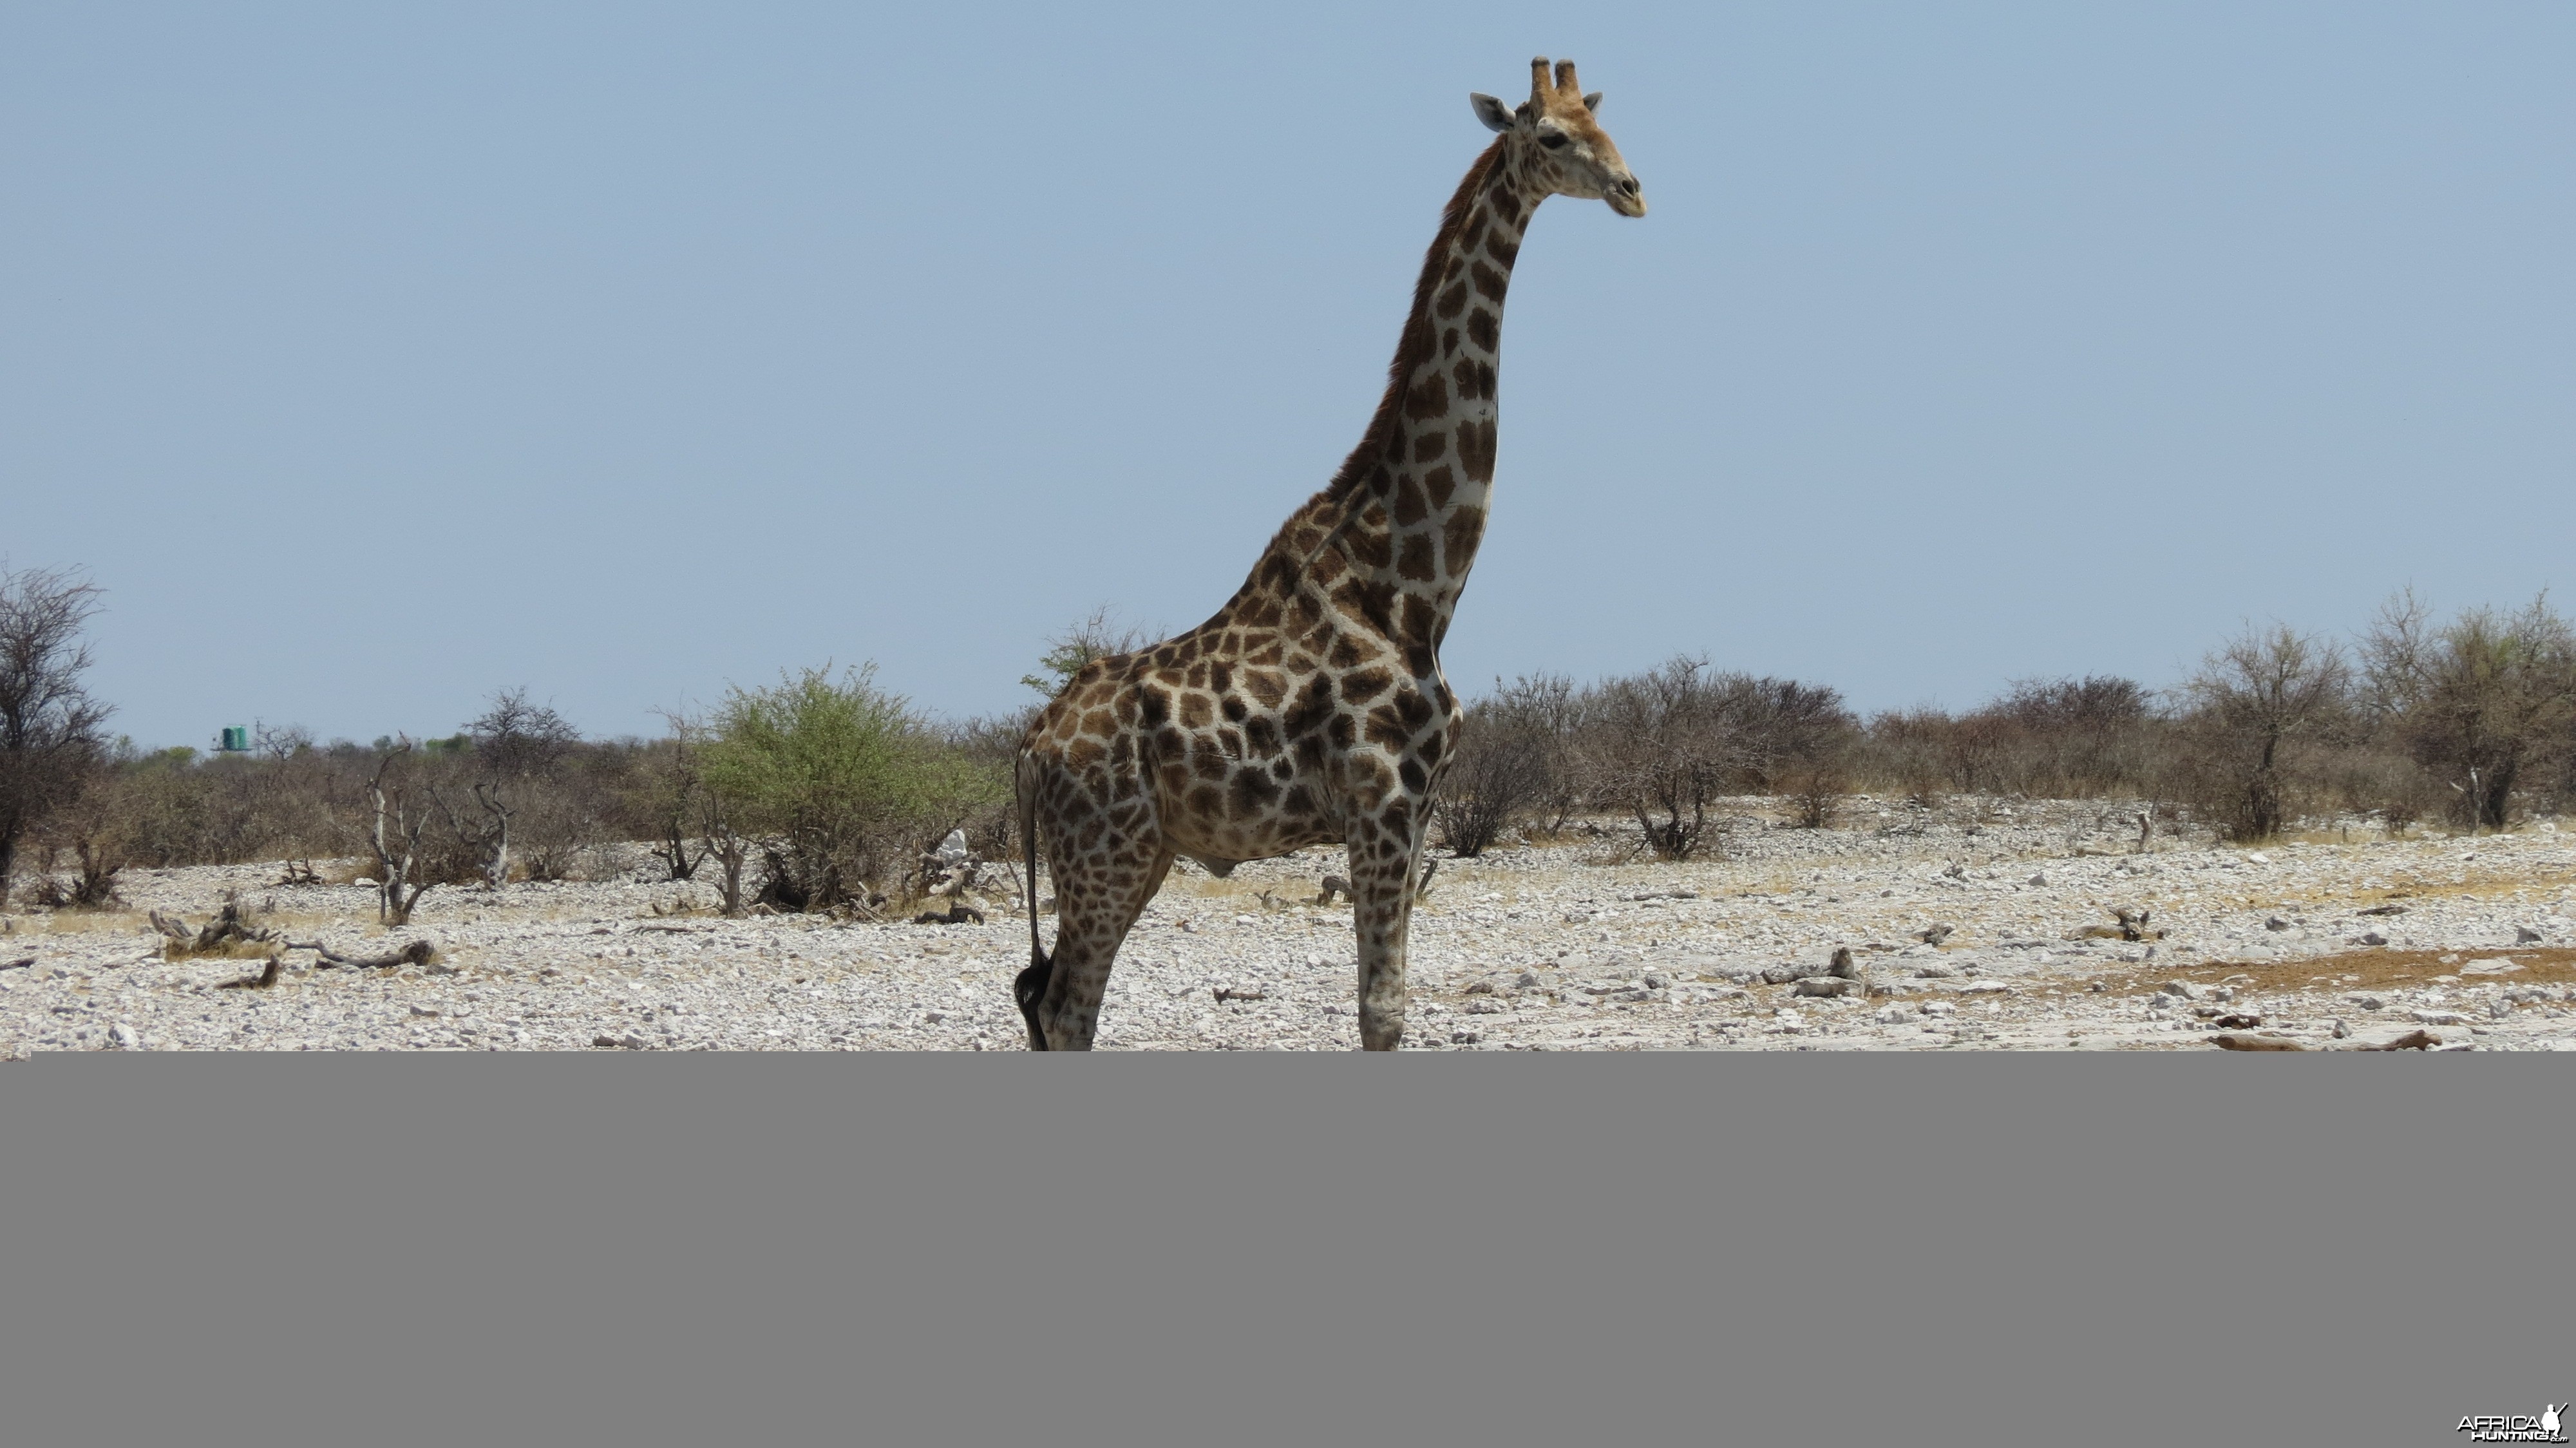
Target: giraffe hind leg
{"x": 1097, "y": 902}
{"x": 1030, "y": 990}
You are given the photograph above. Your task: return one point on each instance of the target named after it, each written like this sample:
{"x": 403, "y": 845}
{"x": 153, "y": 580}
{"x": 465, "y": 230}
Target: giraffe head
{"x": 1561, "y": 141}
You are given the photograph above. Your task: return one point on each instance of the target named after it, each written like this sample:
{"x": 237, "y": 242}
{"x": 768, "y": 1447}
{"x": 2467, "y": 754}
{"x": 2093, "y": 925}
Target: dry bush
{"x": 508, "y": 786}
{"x": 2371, "y": 778}
{"x": 2066, "y": 739}
{"x": 2258, "y": 721}
{"x": 1499, "y": 772}
{"x": 987, "y": 746}
{"x": 1662, "y": 745}
{"x": 391, "y": 814}
{"x": 1788, "y": 735}
{"x": 1815, "y": 793}
{"x": 1549, "y": 712}
{"x": 2485, "y": 703}
{"x": 2080, "y": 738}
{"x": 50, "y": 727}
{"x": 2089, "y": 738}
{"x": 1906, "y": 751}
{"x": 571, "y": 821}
{"x": 1659, "y": 750}
{"x": 664, "y": 799}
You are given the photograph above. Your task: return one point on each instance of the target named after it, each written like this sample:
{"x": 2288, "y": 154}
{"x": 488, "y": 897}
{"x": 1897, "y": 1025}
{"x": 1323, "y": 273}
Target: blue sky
{"x": 373, "y": 360}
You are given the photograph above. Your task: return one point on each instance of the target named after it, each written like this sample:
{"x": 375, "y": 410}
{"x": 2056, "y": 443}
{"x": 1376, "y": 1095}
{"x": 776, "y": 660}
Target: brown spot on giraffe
{"x": 1429, "y": 398}
{"x": 1411, "y": 506}
{"x": 1464, "y": 529}
{"x": 1282, "y": 722}
{"x": 1441, "y": 484}
{"x": 1476, "y": 450}
{"x": 1414, "y": 561}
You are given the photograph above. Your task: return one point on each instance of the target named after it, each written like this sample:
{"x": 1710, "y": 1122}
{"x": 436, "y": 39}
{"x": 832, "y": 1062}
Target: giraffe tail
{"x": 1031, "y": 987}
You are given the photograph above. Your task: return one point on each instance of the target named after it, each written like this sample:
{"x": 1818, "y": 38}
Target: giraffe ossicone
{"x": 1311, "y": 708}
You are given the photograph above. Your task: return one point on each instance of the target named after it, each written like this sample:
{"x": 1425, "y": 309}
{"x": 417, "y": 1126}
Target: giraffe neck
{"x": 1391, "y": 539}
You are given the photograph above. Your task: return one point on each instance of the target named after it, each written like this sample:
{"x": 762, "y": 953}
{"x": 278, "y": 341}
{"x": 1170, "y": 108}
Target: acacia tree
{"x": 2252, "y": 707}
{"x": 517, "y": 747}
{"x": 2479, "y": 701}
{"x": 49, "y": 725}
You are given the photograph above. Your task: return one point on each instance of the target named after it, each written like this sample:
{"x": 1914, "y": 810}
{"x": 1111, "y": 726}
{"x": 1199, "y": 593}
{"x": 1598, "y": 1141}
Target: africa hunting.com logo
{"x": 2516, "y": 1428}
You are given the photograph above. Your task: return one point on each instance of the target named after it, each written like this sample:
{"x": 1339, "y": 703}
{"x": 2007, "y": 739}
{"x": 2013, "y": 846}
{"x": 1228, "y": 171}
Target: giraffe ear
{"x": 1592, "y": 103}
{"x": 1495, "y": 115}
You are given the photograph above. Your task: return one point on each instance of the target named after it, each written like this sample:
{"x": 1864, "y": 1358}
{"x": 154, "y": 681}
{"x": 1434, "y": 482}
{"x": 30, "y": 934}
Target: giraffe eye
{"x": 1552, "y": 141}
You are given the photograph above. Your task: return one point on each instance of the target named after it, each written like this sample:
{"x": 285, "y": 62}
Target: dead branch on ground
{"x": 230, "y": 927}
{"x": 418, "y": 952}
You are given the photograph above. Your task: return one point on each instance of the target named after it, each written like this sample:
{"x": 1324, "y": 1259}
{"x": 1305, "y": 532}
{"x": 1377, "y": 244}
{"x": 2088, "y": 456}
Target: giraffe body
{"x": 1311, "y": 708}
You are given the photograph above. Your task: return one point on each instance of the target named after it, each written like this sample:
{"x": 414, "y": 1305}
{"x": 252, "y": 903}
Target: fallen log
{"x": 228, "y": 928}
{"x": 418, "y": 952}
{"x": 2411, "y": 1041}
{"x": 2232, "y": 1042}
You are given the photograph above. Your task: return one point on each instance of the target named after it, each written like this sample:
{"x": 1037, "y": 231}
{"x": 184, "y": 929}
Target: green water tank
{"x": 236, "y": 739}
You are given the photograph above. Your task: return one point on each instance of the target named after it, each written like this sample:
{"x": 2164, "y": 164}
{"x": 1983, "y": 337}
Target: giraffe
{"x": 1311, "y": 708}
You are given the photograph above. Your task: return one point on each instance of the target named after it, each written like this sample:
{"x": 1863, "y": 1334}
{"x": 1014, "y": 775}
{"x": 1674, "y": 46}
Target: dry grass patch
{"x": 2366, "y": 969}
{"x": 80, "y": 922}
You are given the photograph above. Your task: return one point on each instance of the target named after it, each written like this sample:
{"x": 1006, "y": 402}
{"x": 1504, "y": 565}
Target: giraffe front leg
{"x": 1383, "y": 852}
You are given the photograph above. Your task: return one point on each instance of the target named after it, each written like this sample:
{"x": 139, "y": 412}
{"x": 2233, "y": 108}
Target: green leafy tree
{"x": 841, "y": 780}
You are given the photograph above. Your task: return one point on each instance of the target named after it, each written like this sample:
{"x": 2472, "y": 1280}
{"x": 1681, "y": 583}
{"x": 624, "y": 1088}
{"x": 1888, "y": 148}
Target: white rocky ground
{"x": 1573, "y": 945}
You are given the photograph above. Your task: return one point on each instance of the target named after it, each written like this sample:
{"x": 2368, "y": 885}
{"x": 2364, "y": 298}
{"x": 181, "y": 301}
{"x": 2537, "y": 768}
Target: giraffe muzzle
{"x": 1626, "y": 197}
